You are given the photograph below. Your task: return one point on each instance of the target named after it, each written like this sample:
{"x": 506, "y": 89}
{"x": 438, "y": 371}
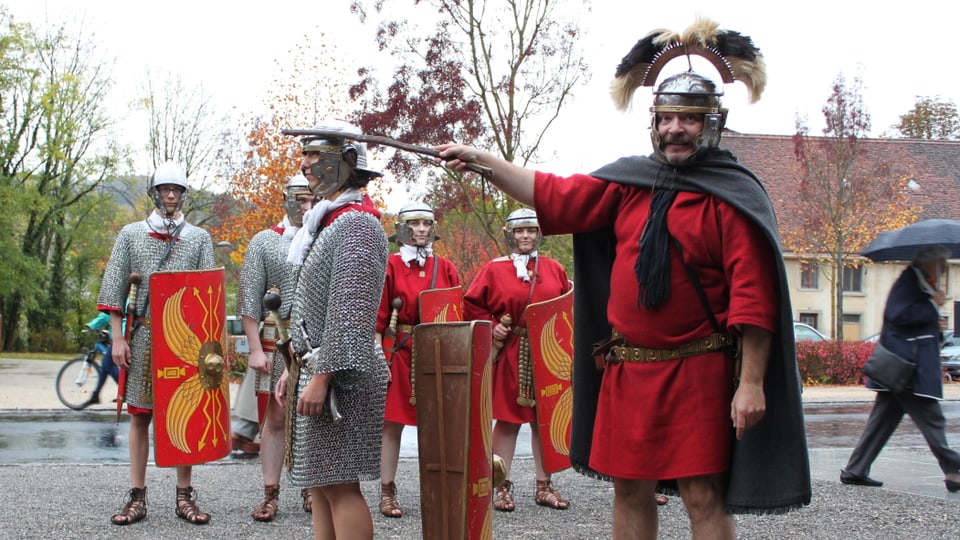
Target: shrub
{"x": 833, "y": 362}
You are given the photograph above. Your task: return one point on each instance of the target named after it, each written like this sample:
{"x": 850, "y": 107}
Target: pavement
{"x": 75, "y": 500}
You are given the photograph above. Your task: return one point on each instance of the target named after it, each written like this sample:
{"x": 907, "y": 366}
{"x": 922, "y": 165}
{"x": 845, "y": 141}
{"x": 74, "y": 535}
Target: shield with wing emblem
{"x": 550, "y": 327}
{"x": 190, "y": 376}
{"x": 441, "y": 305}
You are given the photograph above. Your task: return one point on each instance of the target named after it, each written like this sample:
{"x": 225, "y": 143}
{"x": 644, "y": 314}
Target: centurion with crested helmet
{"x": 681, "y": 286}
{"x": 732, "y": 54}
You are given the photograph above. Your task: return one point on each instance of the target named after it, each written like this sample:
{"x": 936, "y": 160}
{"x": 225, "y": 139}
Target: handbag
{"x": 890, "y": 370}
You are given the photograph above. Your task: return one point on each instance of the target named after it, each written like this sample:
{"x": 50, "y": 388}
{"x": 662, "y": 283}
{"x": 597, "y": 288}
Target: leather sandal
{"x": 503, "y": 501}
{"x": 187, "y": 508}
{"x": 134, "y": 510}
{"x": 388, "y": 501}
{"x": 267, "y": 510}
{"x": 549, "y": 497}
{"x": 307, "y": 500}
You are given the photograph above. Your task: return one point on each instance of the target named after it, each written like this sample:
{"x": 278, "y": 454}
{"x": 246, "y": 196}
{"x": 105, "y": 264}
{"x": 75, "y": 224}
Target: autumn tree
{"x": 311, "y": 88}
{"x": 55, "y": 158}
{"x": 845, "y": 195}
{"x": 493, "y": 74}
{"x": 931, "y": 118}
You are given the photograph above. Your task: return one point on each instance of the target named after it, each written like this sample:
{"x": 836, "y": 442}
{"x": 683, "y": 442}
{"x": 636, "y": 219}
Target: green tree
{"x": 845, "y": 195}
{"x": 931, "y": 118}
{"x": 54, "y": 155}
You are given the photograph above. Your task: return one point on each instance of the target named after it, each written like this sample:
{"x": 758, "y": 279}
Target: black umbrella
{"x": 902, "y": 244}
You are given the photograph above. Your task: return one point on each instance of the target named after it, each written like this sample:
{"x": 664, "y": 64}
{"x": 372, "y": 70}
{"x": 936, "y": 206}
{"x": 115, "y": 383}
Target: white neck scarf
{"x": 520, "y": 261}
{"x": 416, "y": 253}
{"x": 162, "y": 225}
{"x": 311, "y": 224}
{"x": 289, "y": 229}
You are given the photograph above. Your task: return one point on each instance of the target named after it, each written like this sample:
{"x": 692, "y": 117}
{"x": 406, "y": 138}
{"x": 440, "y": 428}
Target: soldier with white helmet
{"x": 162, "y": 242}
{"x": 411, "y": 270}
{"x": 682, "y": 287}
{"x": 500, "y": 293}
{"x": 265, "y": 267}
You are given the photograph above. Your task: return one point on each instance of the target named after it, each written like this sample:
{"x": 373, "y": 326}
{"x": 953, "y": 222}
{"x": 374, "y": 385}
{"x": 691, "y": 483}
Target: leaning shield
{"x": 441, "y": 305}
{"x": 190, "y": 377}
{"x": 454, "y": 415}
{"x": 550, "y": 327}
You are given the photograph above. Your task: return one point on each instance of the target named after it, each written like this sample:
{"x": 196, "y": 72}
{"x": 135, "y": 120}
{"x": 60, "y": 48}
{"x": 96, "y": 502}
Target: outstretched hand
{"x": 457, "y": 156}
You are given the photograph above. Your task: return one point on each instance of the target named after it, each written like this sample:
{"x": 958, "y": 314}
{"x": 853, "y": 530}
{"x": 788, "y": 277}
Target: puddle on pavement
{"x": 95, "y": 437}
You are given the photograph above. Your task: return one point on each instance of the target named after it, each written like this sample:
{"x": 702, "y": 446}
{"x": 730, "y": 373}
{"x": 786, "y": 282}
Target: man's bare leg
{"x": 634, "y": 509}
{"x": 704, "y": 499}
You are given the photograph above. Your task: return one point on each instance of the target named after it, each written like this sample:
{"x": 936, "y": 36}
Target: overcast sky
{"x": 902, "y": 50}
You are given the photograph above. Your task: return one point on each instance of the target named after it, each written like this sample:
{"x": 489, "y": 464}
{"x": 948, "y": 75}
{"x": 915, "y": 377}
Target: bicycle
{"x": 77, "y": 378}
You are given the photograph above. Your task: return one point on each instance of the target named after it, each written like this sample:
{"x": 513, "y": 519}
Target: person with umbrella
{"x": 911, "y": 330}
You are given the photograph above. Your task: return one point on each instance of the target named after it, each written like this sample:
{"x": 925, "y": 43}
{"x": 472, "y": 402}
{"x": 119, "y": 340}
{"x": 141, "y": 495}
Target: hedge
{"x": 833, "y": 362}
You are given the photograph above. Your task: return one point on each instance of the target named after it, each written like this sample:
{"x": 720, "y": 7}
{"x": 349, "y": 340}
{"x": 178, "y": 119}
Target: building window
{"x": 809, "y": 275}
{"x": 852, "y": 318}
{"x": 811, "y": 319}
{"x": 853, "y": 279}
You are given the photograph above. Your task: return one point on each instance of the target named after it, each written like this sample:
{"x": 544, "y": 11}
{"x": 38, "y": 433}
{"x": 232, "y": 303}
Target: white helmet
{"x": 298, "y": 185}
{"x": 411, "y": 211}
{"x": 520, "y": 218}
{"x": 168, "y": 173}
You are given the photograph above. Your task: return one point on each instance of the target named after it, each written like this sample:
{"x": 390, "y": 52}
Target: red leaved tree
{"x": 494, "y": 75}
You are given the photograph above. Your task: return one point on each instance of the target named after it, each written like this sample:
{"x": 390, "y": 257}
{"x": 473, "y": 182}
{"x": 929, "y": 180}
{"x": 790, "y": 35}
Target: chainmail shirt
{"x": 334, "y": 313}
{"x": 264, "y": 266}
{"x": 137, "y": 250}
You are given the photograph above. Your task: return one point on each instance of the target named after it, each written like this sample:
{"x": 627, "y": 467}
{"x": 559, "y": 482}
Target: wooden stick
{"x": 486, "y": 172}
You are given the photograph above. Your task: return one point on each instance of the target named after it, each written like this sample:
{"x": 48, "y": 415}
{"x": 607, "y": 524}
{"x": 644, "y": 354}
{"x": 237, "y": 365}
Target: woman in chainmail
{"x": 336, "y": 405}
{"x": 501, "y": 292}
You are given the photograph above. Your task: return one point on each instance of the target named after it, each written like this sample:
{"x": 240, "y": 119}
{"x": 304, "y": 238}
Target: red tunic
{"x": 406, "y": 283}
{"x": 663, "y": 420}
{"x": 497, "y": 291}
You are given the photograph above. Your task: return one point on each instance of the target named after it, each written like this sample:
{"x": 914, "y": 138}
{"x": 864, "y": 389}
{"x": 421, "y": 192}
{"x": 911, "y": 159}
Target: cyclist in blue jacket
{"x": 107, "y": 367}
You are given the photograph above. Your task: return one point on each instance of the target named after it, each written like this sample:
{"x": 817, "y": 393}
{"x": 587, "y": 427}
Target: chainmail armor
{"x": 264, "y": 266}
{"x": 335, "y": 311}
{"x": 136, "y": 251}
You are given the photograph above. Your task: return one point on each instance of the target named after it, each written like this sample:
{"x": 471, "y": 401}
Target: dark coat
{"x": 911, "y": 330}
{"x": 770, "y": 468}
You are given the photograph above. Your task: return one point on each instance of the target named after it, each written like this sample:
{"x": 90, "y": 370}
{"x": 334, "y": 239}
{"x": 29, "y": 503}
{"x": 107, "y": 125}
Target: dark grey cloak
{"x": 770, "y": 469}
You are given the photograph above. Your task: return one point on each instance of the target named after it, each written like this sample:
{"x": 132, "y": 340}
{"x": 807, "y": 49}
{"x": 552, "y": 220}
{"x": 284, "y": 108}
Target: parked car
{"x": 950, "y": 355}
{"x": 805, "y": 332}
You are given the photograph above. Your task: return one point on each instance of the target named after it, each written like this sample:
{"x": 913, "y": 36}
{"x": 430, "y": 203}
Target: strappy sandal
{"x": 134, "y": 510}
{"x": 503, "y": 501}
{"x": 267, "y": 510}
{"x": 187, "y": 508}
{"x": 307, "y": 500}
{"x": 388, "y": 501}
{"x": 549, "y": 497}
{"x": 661, "y": 499}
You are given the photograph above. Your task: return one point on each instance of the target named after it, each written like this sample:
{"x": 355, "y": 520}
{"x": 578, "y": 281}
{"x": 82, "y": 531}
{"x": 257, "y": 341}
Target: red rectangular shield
{"x": 454, "y": 415}
{"x": 550, "y": 328}
{"x": 441, "y": 305}
{"x": 190, "y": 377}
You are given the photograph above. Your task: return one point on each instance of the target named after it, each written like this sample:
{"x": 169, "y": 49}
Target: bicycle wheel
{"x": 76, "y": 381}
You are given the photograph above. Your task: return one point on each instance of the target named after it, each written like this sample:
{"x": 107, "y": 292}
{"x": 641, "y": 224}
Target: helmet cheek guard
{"x": 332, "y": 170}
{"x": 297, "y": 186}
{"x": 410, "y": 212}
